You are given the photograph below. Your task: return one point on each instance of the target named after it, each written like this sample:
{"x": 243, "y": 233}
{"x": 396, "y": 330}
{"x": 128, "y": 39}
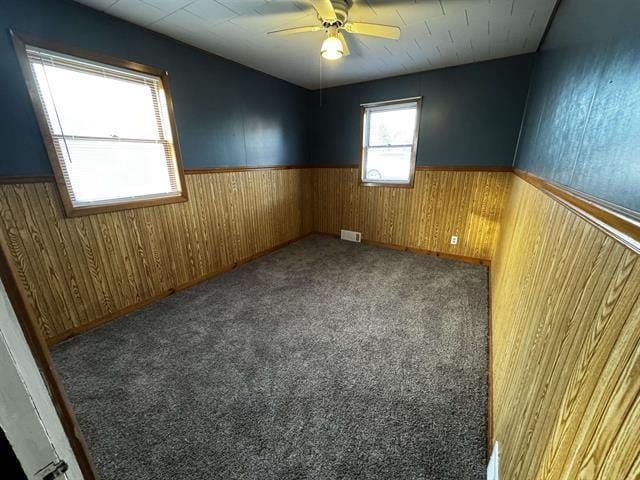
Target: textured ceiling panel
{"x": 434, "y": 33}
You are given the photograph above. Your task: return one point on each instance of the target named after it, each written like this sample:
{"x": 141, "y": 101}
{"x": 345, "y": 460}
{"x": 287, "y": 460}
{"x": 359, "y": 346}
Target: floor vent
{"x": 350, "y": 236}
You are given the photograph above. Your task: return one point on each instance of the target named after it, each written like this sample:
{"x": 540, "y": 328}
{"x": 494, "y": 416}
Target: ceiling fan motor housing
{"x": 333, "y": 17}
{"x": 341, "y": 8}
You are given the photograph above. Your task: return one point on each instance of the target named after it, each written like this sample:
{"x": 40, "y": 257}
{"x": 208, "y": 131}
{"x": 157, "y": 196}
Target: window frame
{"x": 414, "y": 149}
{"x": 21, "y": 42}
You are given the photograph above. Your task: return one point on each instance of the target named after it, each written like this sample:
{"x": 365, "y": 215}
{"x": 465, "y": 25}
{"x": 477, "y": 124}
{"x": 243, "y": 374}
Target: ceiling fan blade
{"x": 291, "y": 31}
{"x": 345, "y": 47}
{"x": 373, "y": 29}
{"x": 324, "y": 9}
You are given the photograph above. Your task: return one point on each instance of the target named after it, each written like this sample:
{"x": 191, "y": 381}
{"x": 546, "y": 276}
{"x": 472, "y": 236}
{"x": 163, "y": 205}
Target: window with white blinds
{"x": 109, "y": 127}
{"x": 389, "y": 141}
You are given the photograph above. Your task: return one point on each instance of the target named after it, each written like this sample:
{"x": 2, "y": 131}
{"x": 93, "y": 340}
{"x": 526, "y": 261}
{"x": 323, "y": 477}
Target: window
{"x": 389, "y": 142}
{"x": 108, "y": 129}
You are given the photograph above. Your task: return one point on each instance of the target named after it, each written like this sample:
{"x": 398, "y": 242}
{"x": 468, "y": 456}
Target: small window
{"x": 108, "y": 130}
{"x": 389, "y": 142}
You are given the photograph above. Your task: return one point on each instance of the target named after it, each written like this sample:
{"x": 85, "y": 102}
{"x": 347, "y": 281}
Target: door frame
{"x": 40, "y": 353}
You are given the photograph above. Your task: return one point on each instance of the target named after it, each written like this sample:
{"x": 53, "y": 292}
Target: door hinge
{"x": 53, "y": 470}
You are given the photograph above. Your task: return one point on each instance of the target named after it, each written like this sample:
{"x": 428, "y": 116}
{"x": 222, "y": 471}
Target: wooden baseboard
{"x": 406, "y": 248}
{"x": 451, "y": 256}
{"x": 147, "y": 301}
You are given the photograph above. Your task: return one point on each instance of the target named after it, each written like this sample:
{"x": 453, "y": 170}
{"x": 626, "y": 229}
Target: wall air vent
{"x": 350, "y": 236}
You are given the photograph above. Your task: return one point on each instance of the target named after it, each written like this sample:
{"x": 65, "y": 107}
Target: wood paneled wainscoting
{"x": 80, "y": 272}
{"x": 464, "y": 202}
{"x": 565, "y": 299}
{"x": 77, "y": 273}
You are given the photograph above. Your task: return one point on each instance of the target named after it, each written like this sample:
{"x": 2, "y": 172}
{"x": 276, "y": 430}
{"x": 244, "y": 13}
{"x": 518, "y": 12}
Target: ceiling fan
{"x": 333, "y": 16}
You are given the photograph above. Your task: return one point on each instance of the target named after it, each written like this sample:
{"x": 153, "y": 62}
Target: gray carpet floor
{"x": 323, "y": 360}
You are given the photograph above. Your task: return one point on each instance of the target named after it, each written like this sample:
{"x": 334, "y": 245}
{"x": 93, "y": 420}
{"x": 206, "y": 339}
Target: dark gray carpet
{"x": 323, "y": 360}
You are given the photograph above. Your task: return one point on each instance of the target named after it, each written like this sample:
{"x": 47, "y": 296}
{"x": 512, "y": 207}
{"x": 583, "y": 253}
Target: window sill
{"x": 363, "y": 183}
{"x": 73, "y": 212}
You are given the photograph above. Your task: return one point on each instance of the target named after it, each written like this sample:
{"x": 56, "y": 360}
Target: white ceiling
{"x": 435, "y": 33}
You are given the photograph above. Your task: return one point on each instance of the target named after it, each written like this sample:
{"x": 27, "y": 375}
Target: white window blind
{"x": 110, "y": 129}
{"x": 389, "y": 132}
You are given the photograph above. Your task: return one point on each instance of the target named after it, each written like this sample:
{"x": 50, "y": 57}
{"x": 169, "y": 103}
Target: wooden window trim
{"x": 414, "y": 152}
{"x": 20, "y": 42}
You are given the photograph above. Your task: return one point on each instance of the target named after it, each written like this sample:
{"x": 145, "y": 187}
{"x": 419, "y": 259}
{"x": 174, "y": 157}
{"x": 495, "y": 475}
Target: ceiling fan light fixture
{"x": 333, "y": 17}
{"x": 332, "y": 48}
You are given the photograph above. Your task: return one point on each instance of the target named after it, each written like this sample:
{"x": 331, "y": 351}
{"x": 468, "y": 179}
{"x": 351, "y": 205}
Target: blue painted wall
{"x": 471, "y": 114}
{"x": 227, "y": 114}
{"x": 582, "y": 122}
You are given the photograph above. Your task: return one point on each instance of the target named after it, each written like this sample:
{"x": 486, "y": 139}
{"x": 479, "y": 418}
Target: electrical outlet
{"x": 454, "y": 239}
